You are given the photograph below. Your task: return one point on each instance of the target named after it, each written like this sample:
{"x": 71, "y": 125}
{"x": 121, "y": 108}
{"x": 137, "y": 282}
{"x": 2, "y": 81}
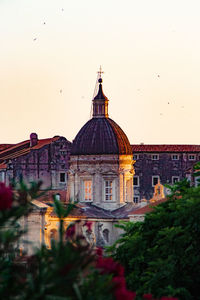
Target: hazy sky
{"x": 50, "y": 51}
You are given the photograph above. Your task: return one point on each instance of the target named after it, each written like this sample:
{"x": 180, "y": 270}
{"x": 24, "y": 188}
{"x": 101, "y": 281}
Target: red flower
{"x": 122, "y": 294}
{"x": 109, "y": 266}
{"x": 70, "y": 231}
{"x": 147, "y": 297}
{"x": 119, "y": 282}
{"x": 88, "y": 225}
{"x": 99, "y": 251}
{"x": 6, "y": 197}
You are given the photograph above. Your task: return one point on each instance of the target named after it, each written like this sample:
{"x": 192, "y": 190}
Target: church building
{"x": 108, "y": 178}
{"x": 101, "y": 161}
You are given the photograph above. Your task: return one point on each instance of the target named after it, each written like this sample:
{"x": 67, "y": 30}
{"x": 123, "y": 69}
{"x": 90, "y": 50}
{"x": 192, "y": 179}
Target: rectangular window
{"x": 136, "y": 199}
{"x": 192, "y": 157}
{"x": 175, "y": 179}
{"x": 155, "y": 157}
{"x": 135, "y": 156}
{"x": 108, "y": 190}
{"x": 155, "y": 180}
{"x": 62, "y": 177}
{"x": 175, "y": 157}
{"x": 136, "y": 181}
{"x": 87, "y": 190}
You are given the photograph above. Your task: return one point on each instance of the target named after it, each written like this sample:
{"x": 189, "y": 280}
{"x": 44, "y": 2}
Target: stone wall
{"x": 45, "y": 164}
{"x": 165, "y": 167}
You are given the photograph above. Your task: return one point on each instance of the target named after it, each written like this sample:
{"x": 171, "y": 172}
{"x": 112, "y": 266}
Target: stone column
{"x": 95, "y": 188}
{"x": 121, "y": 188}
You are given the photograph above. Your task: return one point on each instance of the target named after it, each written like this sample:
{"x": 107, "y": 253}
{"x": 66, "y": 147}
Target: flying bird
{"x": 35, "y": 39}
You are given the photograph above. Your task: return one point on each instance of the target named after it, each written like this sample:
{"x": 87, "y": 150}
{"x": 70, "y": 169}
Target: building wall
{"x": 165, "y": 167}
{"x": 98, "y": 169}
{"x": 103, "y": 231}
{"x": 49, "y": 164}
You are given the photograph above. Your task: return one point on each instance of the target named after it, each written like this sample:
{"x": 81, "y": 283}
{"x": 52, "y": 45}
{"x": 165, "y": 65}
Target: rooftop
{"x": 165, "y": 148}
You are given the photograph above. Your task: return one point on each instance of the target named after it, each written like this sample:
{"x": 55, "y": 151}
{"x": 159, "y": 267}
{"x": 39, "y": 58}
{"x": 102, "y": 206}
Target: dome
{"x": 101, "y": 136}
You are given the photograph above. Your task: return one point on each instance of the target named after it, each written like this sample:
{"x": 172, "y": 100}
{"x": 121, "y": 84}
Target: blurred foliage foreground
{"x": 72, "y": 269}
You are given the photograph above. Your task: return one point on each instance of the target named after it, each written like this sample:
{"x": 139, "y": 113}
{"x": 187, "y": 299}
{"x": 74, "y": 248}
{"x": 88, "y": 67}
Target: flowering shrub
{"x": 70, "y": 270}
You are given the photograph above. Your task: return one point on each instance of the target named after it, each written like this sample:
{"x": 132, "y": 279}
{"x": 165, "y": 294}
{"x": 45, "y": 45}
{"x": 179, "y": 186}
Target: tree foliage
{"x": 161, "y": 255}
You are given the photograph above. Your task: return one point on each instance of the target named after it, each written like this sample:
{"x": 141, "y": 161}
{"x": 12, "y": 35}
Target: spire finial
{"x": 99, "y": 74}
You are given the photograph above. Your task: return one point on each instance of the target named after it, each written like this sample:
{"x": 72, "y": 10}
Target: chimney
{"x": 33, "y": 139}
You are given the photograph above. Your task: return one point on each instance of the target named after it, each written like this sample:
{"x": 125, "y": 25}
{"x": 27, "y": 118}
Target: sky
{"x": 149, "y": 50}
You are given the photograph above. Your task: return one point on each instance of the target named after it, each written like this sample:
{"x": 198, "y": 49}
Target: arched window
{"x": 106, "y": 235}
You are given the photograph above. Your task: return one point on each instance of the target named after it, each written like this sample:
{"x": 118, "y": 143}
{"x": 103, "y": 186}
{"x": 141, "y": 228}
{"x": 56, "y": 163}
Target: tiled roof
{"x": 44, "y": 142}
{"x": 5, "y": 146}
{"x": 148, "y": 208}
{"x": 24, "y": 148}
{"x": 101, "y": 136}
{"x": 3, "y": 166}
{"x": 88, "y": 210}
{"x": 165, "y": 148}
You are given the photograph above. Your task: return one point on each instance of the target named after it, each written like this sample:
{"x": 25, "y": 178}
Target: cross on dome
{"x": 100, "y": 72}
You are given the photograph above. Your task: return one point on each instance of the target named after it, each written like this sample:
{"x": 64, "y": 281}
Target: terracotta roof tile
{"x": 148, "y": 208}
{"x": 15, "y": 147}
{"x": 44, "y": 142}
{"x": 24, "y": 148}
{"x": 5, "y": 146}
{"x": 165, "y": 148}
{"x": 3, "y": 166}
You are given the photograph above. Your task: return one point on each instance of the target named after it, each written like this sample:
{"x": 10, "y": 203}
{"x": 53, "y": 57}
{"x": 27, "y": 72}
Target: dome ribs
{"x": 101, "y": 136}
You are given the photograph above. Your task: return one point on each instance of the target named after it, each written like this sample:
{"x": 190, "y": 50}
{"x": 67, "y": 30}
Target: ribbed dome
{"x": 101, "y": 136}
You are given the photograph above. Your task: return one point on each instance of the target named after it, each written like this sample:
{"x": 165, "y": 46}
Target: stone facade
{"x": 46, "y": 160}
{"x": 164, "y": 165}
{"x": 98, "y": 169}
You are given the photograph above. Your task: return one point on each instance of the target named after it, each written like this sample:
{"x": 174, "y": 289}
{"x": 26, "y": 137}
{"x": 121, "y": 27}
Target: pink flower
{"x": 6, "y": 197}
{"x": 88, "y": 225}
{"x": 123, "y": 293}
{"x": 70, "y": 231}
